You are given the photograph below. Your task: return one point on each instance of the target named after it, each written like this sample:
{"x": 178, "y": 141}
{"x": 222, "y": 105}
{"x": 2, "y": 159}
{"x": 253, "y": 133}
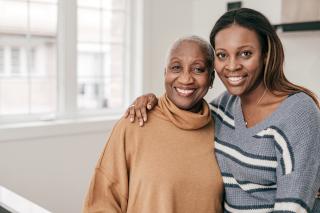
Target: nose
{"x": 233, "y": 64}
{"x": 186, "y": 77}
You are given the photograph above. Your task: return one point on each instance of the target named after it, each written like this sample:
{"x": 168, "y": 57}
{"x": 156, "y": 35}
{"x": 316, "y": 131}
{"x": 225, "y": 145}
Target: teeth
{"x": 185, "y": 91}
{"x": 234, "y": 79}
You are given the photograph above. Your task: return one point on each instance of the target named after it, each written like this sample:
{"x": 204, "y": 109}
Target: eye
{"x": 245, "y": 54}
{"x": 221, "y": 55}
{"x": 198, "y": 70}
{"x": 175, "y": 68}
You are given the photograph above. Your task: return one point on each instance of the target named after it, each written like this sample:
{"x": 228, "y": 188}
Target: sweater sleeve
{"x": 297, "y": 142}
{"x": 108, "y": 192}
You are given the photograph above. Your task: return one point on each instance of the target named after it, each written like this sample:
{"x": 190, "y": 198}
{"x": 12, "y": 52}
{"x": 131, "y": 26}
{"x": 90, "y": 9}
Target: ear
{"x": 165, "y": 71}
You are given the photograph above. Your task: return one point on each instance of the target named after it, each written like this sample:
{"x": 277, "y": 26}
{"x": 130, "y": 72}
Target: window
{"x": 74, "y": 68}
{"x": 28, "y": 27}
{"x": 15, "y": 60}
{"x": 101, "y": 53}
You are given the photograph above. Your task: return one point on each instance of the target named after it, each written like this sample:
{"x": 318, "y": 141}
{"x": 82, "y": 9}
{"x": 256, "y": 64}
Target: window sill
{"x": 42, "y": 129}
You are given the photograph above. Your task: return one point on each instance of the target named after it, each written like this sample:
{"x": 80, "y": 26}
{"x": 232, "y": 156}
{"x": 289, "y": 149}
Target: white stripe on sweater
{"x": 247, "y": 186}
{"x": 246, "y": 159}
{"x": 284, "y": 146}
{"x": 224, "y": 116}
{"x": 263, "y": 210}
{"x": 289, "y": 206}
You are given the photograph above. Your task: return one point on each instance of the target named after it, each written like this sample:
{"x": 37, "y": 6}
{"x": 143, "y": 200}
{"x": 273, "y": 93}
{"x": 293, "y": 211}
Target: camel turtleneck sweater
{"x": 168, "y": 166}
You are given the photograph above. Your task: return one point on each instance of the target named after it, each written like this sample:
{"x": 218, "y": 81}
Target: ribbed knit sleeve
{"x": 109, "y": 188}
{"x": 297, "y": 144}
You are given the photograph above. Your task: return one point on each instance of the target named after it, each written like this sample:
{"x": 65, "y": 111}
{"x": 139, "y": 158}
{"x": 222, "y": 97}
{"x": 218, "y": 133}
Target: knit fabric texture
{"x": 273, "y": 166}
{"x": 168, "y": 166}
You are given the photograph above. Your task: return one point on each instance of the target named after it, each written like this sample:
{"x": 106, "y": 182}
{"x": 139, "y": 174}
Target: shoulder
{"x": 301, "y": 105}
{"x": 225, "y": 102}
{"x": 299, "y": 118}
{"x": 127, "y": 128}
{"x": 224, "y": 99}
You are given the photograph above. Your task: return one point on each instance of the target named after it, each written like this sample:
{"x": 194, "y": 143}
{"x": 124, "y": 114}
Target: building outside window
{"x": 27, "y": 25}
{"x": 29, "y": 64}
{"x": 101, "y": 53}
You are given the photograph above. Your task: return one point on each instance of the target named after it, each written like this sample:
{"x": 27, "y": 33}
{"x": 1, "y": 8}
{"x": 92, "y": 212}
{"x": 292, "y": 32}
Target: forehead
{"x": 187, "y": 48}
{"x": 236, "y": 36}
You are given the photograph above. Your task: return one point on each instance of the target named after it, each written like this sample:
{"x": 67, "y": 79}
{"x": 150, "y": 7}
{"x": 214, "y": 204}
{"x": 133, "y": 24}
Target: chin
{"x": 235, "y": 91}
{"x": 184, "y": 106}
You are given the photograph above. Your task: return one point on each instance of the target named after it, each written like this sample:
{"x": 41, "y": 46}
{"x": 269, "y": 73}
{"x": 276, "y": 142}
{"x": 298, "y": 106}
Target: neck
{"x": 196, "y": 108}
{"x": 255, "y": 97}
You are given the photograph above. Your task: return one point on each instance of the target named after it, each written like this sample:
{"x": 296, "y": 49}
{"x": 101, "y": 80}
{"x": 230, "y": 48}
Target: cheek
{"x": 204, "y": 82}
{"x": 218, "y": 67}
{"x": 168, "y": 80}
{"x": 255, "y": 67}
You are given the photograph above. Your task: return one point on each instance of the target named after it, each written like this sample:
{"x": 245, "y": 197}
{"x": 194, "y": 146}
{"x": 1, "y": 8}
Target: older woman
{"x": 169, "y": 166}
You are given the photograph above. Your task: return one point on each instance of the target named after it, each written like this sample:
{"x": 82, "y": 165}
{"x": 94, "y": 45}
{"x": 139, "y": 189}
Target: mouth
{"x": 235, "y": 80}
{"x": 184, "y": 92}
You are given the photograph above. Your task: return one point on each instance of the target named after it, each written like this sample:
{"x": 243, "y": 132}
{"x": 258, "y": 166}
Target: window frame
{"x": 67, "y": 87}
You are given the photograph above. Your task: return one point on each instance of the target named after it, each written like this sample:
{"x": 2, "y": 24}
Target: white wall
{"x": 302, "y": 48}
{"x": 52, "y": 165}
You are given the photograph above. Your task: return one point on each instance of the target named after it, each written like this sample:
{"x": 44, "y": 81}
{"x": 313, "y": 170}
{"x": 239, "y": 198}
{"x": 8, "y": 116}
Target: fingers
{"x": 149, "y": 104}
{"x": 152, "y": 101}
{"x": 138, "y": 110}
{"x": 139, "y": 117}
{"x": 134, "y": 112}
{"x": 131, "y": 113}
{"x": 126, "y": 114}
{"x": 144, "y": 114}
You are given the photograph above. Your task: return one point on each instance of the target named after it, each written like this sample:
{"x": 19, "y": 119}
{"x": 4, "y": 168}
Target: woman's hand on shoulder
{"x": 138, "y": 109}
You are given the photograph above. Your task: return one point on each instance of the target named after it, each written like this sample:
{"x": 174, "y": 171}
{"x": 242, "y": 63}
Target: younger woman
{"x": 267, "y": 129}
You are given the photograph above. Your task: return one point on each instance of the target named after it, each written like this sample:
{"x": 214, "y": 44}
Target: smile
{"x": 185, "y": 92}
{"x": 235, "y": 80}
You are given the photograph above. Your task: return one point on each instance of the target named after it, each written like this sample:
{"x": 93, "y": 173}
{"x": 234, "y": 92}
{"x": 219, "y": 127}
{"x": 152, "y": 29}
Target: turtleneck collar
{"x": 184, "y": 119}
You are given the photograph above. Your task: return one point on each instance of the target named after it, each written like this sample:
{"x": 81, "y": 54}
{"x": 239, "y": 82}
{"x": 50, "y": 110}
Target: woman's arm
{"x": 298, "y": 154}
{"x": 109, "y": 187}
{"x": 139, "y": 107}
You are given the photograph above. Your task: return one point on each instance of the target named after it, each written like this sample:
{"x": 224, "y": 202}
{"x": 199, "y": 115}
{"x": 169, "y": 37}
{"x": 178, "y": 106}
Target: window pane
{"x": 100, "y": 76}
{"x": 43, "y": 19}
{"x": 101, "y": 50}
{"x": 13, "y": 17}
{"x": 15, "y": 60}
{"x": 88, "y": 25}
{"x": 1, "y": 60}
{"x": 113, "y": 75}
{"x": 90, "y": 3}
{"x": 45, "y": 1}
{"x": 113, "y": 26}
{"x": 114, "y": 4}
{"x": 14, "y": 96}
{"x": 105, "y": 4}
{"x": 43, "y": 94}
{"x": 114, "y": 91}
{"x": 28, "y": 57}
{"x": 89, "y": 75}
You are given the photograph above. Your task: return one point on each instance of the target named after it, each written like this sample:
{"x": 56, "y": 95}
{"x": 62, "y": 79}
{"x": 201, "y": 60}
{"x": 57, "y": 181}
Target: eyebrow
{"x": 241, "y": 47}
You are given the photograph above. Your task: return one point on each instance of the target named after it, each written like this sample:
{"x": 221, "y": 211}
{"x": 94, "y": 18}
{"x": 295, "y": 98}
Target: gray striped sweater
{"x": 273, "y": 166}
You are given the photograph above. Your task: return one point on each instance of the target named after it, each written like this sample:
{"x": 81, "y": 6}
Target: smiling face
{"x": 238, "y": 59}
{"x": 186, "y": 76}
